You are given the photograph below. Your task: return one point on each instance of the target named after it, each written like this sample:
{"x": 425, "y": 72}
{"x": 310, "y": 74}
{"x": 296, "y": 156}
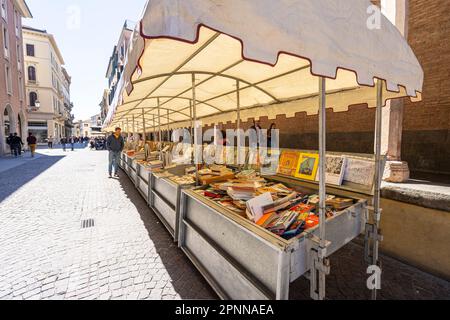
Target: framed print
{"x": 307, "y": 166}
{"x": 288, "y": 163}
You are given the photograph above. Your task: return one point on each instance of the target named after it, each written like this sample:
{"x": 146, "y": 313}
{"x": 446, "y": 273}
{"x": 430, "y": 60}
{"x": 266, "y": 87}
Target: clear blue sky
{"x": 86, "y": 32}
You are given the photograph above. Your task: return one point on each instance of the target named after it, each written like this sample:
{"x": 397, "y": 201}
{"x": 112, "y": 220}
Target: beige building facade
{"x": 47, "y": 86}
{"x": 90, "y": 128}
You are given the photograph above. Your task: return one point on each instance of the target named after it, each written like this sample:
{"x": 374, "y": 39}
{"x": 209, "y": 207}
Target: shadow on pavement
{"x": 347, "y": 281}
{"x": 187, "y": 282}
{"x": 13, "y": 179}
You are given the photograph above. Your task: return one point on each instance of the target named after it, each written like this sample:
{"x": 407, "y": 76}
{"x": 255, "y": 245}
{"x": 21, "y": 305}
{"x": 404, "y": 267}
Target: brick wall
{"x": 426, "y": 136}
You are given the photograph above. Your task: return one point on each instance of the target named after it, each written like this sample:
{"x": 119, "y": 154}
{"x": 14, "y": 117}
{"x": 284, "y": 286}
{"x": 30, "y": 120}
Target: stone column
{"x": 396, "y": 170}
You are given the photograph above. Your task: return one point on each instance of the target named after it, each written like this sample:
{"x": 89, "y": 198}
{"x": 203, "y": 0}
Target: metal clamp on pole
{"x": 319, "y": 267}
{"x": 372, "y": 237}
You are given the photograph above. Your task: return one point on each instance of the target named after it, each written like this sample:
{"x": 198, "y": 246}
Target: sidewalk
{"x": 48, "y": 252}
{"x": 9, "y": 162}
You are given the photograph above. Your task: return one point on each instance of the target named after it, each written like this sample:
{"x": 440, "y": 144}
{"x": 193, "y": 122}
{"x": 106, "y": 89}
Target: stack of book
{"x": 340, "y": 203}
{"x": 183, "y": 180}
{"x": 280, "y": 225}
{"x": 243, "y": 190}
{"x": 157, "y": 164}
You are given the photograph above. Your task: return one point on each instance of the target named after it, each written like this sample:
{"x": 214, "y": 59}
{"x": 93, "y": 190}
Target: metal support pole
{"x": 143, "y": 125}
{"x": 154, "y": 128}
{"x": 134, "y": 128}
{"x": 192, "y": 121}
{"x": 238, "y": 125}
{"x": 322, "y": 162}
{"x": 194, "y": 111}
{"x": 320, "y": 265}
{"x": 373, "y": 232}
{"x": 168, "y": 127}
{"x": 159, "y": 125}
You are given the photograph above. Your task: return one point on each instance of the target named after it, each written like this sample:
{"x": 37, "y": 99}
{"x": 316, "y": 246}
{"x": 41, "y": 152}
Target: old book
{"x": 288, "y": 163}
{"x": 307, "y": 166}
{"x": 255, "y": 206}
{"x": 283, "y": 223}
{"x": 335, "y": 170}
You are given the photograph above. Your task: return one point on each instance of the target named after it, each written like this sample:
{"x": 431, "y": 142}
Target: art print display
{"x": 307, "y": 166}
{"x": 288, "y": 163}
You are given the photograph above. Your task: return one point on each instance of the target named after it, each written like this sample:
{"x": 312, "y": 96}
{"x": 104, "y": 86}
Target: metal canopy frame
{"x": 120, "y": 115}
{"x": 319, "y": 263}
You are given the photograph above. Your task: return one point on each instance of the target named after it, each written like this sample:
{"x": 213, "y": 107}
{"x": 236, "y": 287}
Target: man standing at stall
{"x": 115, "y": 144}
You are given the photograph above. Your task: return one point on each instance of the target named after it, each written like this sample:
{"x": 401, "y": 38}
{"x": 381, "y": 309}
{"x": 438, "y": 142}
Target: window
{"x": 30, "y": 50}
{"x": 33, "y": 99}
{"x": 21, "y": 88}
{"x": 19, "y": 58}
{"x": 17, "y": 22}
{"x": 37, "y": 124}
{"x": 4, "y": 9}
{"x": 8, "y": 80}
{"x": 32, "y": 74}
{"x": 6, "y": 42}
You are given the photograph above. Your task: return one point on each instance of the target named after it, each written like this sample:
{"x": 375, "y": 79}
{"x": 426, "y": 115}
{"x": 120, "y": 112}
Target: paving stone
{"x": 128, "y": 254}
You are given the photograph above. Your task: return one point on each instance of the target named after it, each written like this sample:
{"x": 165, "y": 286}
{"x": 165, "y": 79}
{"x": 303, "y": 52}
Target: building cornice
{"x": 23, "y": 8}
{"x": 49, "y": 36}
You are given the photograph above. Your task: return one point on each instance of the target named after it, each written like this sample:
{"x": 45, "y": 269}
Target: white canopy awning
{"x": 274, "y": 51}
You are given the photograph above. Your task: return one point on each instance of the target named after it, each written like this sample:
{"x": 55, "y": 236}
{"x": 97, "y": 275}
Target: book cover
{"x": 307, "y": 166}
{"x": 335, "y": 170}
{"x": 288, "y": 162}
{"x": 255, "y": 205}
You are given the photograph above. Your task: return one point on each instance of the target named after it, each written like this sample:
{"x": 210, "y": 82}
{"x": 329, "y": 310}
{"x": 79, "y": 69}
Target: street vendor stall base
{"x": 206, "y": 60}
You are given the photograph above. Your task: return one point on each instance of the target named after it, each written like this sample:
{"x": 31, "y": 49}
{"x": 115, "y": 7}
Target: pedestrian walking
{"x": 72, "y": 142}
{"x": 9, "y": 143}
{"x": 32, "y": 142}
{"x": 17, "y": 143}
{"x": 64, "y": 143}
{"x": 50, "y": 142}
{"x": 115, "y": 144}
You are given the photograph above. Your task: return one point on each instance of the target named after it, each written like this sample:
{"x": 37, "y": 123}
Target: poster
{"x": 288, "y": 163}
{"x": 335, "y": 170}
{"x": 307, "y": 166}
{"x": 360, "y": 171}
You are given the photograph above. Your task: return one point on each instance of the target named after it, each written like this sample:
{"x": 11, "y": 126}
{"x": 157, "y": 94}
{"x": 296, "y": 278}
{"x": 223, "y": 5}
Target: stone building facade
{"x": 13, "y": 112}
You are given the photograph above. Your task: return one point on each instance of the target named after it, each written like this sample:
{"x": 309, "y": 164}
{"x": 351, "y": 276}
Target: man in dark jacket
{"x": 9, "y": 143}
{"x": 16, "y": 144}
{"x": 115, "y": 145}
{"x": 63, "y": 141}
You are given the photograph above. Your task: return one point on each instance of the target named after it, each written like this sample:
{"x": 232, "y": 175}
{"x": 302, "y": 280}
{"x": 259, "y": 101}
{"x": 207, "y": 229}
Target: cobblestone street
{"x": 127, "y": 254}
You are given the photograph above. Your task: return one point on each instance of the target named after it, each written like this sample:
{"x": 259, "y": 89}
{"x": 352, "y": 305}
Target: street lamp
{"x": 37, "y": 104}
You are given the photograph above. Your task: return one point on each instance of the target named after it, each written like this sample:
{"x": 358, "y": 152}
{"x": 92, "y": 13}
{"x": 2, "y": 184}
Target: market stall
{"x": 215, "y": 61}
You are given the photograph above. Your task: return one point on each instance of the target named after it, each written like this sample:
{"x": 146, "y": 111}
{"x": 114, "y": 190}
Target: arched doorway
{"x": 7, "y": 122}
{"x": 19, "y": 126}
{"x": 22, "y": 125}
{"x": 7, "y": 126}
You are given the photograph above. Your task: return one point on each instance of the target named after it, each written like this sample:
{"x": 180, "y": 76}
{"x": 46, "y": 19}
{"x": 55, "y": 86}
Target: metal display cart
{"x": 241, "y": 260}
{"x": 209, "y": 65}
{"x": 143, "y": 180}
{"x": 165, "y": 197}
